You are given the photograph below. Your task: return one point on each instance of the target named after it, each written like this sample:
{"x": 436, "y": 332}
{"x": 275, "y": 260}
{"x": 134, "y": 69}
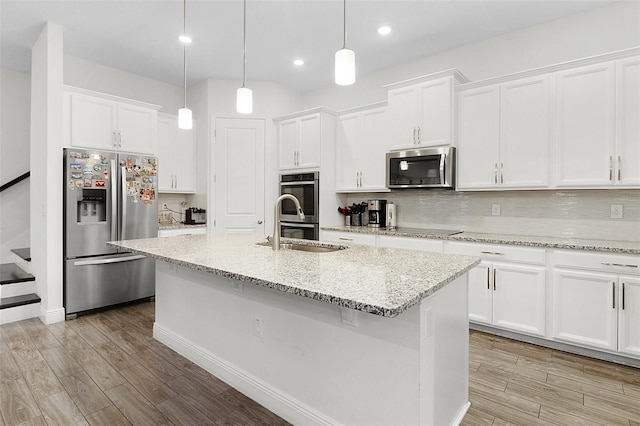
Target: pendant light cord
{"x": 344, "y": 24}
{"x": 184, "y": 32}
{"x": 244, "y": 47}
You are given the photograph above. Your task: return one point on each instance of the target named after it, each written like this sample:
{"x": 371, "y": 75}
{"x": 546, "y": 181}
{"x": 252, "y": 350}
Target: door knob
{"x": 259, "y": 222}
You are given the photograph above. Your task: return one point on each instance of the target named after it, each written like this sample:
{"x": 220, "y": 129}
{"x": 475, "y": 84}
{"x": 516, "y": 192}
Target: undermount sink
{"x": 305, "y": 247}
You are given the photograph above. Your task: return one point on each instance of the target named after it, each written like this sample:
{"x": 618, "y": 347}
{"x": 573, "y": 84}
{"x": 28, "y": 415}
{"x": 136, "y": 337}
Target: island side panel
{"x": 308, "y": 367}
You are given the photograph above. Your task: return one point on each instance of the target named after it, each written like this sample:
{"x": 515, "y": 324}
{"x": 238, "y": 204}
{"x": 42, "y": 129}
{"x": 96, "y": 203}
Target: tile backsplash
{"x": 178, "y": 202}
{"x": 569, "y": 214}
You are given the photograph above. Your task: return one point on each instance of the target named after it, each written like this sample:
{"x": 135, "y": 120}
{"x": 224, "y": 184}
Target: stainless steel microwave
{"x": 421, "y": 168}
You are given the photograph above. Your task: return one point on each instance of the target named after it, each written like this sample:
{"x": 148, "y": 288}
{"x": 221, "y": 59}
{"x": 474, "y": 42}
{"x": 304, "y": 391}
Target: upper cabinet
{"x": 422, "y": 112}
{"x": 110, "y": 123}
{"x": 627, "y": 150}
{"x": 300, "y": 138}
{"x": 505, "y": 135}
{"x": 360, "y": 154}
{"x": 176, "y": 156}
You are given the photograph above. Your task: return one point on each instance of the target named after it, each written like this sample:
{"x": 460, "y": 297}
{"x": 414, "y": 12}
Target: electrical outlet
{"x": 616, "y": 211}
{"x": 495, "y": 210}
{"x": 165, "y": 206}
{"x": 257, "y": 327}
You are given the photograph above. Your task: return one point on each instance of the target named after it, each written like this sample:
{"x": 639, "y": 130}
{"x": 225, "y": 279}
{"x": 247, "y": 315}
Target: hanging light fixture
{"x": 185, "y": 117}
{"x": 244, "y": 100}
{"x": 345, "y": 58}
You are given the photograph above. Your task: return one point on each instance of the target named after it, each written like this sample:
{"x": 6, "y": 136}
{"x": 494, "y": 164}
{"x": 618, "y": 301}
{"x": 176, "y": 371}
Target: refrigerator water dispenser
{"x": 92, "y": 206}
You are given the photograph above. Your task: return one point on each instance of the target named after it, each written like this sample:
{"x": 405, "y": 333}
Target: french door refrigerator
{"x": 108, "y": 196}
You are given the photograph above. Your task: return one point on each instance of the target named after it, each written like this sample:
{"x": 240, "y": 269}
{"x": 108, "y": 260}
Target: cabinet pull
{"x": 495, "y": 173}
{"x": 113, "y": 134}
{"x": 414, "y": 135}
{"x": 501, "y": 173}
{"x": 345, "y": 239}
{"x": 419, "y": 135}
{"x": 613, "y": 292}
{"x": 492, "y": 252}
{"x": 619, "y": 169}
{"x": 623, "y": 296}
{"x": 618, "y": 264}
{"x": 611, "y": 167}
{"x": 488, "y": 279}
{"x": 494, "y": 279}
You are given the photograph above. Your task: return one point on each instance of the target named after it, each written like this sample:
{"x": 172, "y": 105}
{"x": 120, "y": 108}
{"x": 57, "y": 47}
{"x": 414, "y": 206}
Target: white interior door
{"x": 239, "y": 179}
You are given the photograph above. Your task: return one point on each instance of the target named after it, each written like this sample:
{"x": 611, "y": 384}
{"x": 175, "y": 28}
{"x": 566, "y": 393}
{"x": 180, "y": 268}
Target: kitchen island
{"x": 361, "y": 335}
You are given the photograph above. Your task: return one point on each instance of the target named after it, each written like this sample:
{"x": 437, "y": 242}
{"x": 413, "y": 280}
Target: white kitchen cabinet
{"x": 176, "y": 156}
{"x": 508, "y": 288}
{"x": 300, "y": 139}
{"x": 596, "y": 301}
{"x": 410, "y": 243}
{"x": 421, "y": 110}
{"x": 585, "y": 126}
{"x": 182, "y": 231}
{"x": 627, "y": 152}
{"x": 348, "y": 237}
{"x": 360, "y": 153}
{"x": 505, "y": 135}
{"x": 108, "y": 124}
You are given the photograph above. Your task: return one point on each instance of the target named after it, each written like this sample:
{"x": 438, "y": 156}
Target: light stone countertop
{"x": 610, "y": 246}
{"x": 381, "y": 281}
{"x": 179, "y": 225}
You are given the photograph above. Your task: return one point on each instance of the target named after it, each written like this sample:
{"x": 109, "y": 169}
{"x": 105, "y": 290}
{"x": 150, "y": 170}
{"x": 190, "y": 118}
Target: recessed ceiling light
{"x": 298, "y": 62}
{"x": 185, "y": 39}
{"x": 384, "y": 30}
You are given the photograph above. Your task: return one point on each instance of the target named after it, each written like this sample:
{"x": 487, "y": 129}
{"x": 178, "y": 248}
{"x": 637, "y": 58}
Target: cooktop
{"x": 444, "y": 232}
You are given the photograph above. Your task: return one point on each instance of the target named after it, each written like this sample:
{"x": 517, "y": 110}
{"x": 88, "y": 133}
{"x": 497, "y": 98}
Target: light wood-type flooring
{"x": 106, "y": 369}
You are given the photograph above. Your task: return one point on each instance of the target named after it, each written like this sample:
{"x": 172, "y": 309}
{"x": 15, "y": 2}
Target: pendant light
{"x": 345, "y": 58}
{"x": 185, "y": 117}
{"x": 244, "y": 100}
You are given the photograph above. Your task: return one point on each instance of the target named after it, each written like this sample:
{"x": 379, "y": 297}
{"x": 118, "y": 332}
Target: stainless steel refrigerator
{"x": 108, "y": 196}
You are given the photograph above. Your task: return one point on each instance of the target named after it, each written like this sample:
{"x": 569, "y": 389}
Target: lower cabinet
{"x": 348, "y": 237}
{"x": 172, "y": 232}
{"x": 595, "y": 304}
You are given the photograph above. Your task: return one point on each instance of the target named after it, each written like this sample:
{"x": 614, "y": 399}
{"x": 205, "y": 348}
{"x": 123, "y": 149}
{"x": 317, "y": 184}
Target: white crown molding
{"x": 361, "y": 108}
{"x": 114, "y": 98}
{"x": 453, "y": 72}
{"x": 304, "y": 112}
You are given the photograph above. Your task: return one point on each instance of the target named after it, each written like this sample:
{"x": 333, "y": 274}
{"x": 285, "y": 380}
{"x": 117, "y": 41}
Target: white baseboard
{"x": 52, "y": 316}
{"x": 273, "y": 399}
{"x": 463, "y": 411}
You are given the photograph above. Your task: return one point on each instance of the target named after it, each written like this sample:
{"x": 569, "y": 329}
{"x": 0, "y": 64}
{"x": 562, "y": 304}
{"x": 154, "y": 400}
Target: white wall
{"x": 596, "y": 31}
{"x": 15, "y": 105}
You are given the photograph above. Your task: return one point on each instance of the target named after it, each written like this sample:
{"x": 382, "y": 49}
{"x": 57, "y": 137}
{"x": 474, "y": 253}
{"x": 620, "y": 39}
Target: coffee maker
{"x": 377, "y": 211}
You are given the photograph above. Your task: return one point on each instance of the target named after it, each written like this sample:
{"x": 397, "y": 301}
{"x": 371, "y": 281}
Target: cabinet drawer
{"x": 181, "y": 231}
{"x": 605, "y": 262}
{"x": 410, "y": 243}
{"x": 496, "y": 252}
{"x": 349, "y": 238}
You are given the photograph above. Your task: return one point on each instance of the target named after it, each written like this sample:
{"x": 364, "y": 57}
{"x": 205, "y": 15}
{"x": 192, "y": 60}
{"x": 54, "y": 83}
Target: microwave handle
{"x": 443, "y": 157}
{"x": 299, "y": 225}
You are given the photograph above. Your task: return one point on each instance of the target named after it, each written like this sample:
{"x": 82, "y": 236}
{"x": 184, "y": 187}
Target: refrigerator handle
{"x": 114, "y": 202}
{"x": 123, "y": 200}
{"x": 108, "y": 261}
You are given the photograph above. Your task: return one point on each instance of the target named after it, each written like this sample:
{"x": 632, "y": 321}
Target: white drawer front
{"x": 410, "y": 243}
{"x": 604, "y": 262}
{"x": 349, "y": 238}
{"x": 497, "y": 252}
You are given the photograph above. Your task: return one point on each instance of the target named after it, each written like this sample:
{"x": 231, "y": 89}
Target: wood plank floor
{"x": 106, "y": 369}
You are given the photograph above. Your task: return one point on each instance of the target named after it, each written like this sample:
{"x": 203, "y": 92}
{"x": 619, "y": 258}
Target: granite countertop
{"x": 610, "y": 246}
{"x": 381, "y": 281}
{"x": 179, "y": 225}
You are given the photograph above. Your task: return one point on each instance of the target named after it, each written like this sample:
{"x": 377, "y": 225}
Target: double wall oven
{"x": 305, "y": 187}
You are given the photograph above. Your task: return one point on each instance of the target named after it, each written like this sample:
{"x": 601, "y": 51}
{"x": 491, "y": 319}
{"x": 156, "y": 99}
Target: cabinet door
{"x": 519, "y": 298}
{"x": 185, "y": 160}
{"x": 93, "y": 122}
{"x": 309, "y": 141}
{"x": 479, "y": 130}
{"x": 347, "y": 152}
{"x": 525, "y": 133}
{"x": 137, "y": 128}
{"x": 373, "y": 147}
{"x": 166, "y": 155}
{"x": 403, "y": 115}
{"x": 481, "y": 294}
{"x": 585, "y": 129}
{"x": 584, "y": 309}
{"x": 627, "y": 159}
{"x": 629, "y": 316}
{"x": 435, "y": 111}
{"x": 288, "y": 143}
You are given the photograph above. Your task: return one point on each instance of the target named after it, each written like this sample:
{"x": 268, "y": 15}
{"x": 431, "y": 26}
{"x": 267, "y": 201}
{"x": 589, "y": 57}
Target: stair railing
{"x": 15, "y": 181}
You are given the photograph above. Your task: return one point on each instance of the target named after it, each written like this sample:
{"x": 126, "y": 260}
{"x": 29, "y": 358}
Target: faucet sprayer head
{"x": 300, "y": 213}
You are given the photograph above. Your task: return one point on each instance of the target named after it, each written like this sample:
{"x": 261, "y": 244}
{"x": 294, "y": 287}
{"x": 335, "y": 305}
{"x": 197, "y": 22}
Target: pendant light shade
{"x": 345, "y": 71}
{"x": 185, "y": 117}
{"x": 244, "y": 97}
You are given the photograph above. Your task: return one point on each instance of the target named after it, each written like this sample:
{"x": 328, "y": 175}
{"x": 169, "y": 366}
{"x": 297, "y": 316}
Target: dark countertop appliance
{"x": 195, "y": 216}
{"x": 377, "y": 213}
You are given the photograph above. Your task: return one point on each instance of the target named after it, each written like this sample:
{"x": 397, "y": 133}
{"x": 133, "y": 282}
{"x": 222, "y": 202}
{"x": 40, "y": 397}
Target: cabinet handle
{"x": 119, "y": 139}
{"x": 501, "y": 173}
{"x": 488, "y": 274}
{"x": 419, "y": 135}
{"x": 414, "y": 135}
{"x": 618, "y": 264}
{"x": 613, "y": 292}
{"x": 623, "y": 296}
{"x": 611, "y": 167}
{"x": 345, "y": 239}
{"x": 494, "y": 279}
{"x": 619, "y": 169}
{"x": 176, "y": 181}
{"x": 113, "y": 134}
{"x": 495, "y": 173}
{"x": 492, "y": 252}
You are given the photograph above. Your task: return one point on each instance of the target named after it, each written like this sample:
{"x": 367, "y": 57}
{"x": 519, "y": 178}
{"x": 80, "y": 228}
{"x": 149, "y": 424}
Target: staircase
{"x": 18, "y": 299}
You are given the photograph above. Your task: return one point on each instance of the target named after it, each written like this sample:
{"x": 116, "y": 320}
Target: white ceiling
{"x": 141, "y": 36}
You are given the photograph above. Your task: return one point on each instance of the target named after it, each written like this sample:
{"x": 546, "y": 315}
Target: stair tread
{"x": 24, "y": 253}
{"x": 11, "y": 273}
{"x": 24, "y": 299}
